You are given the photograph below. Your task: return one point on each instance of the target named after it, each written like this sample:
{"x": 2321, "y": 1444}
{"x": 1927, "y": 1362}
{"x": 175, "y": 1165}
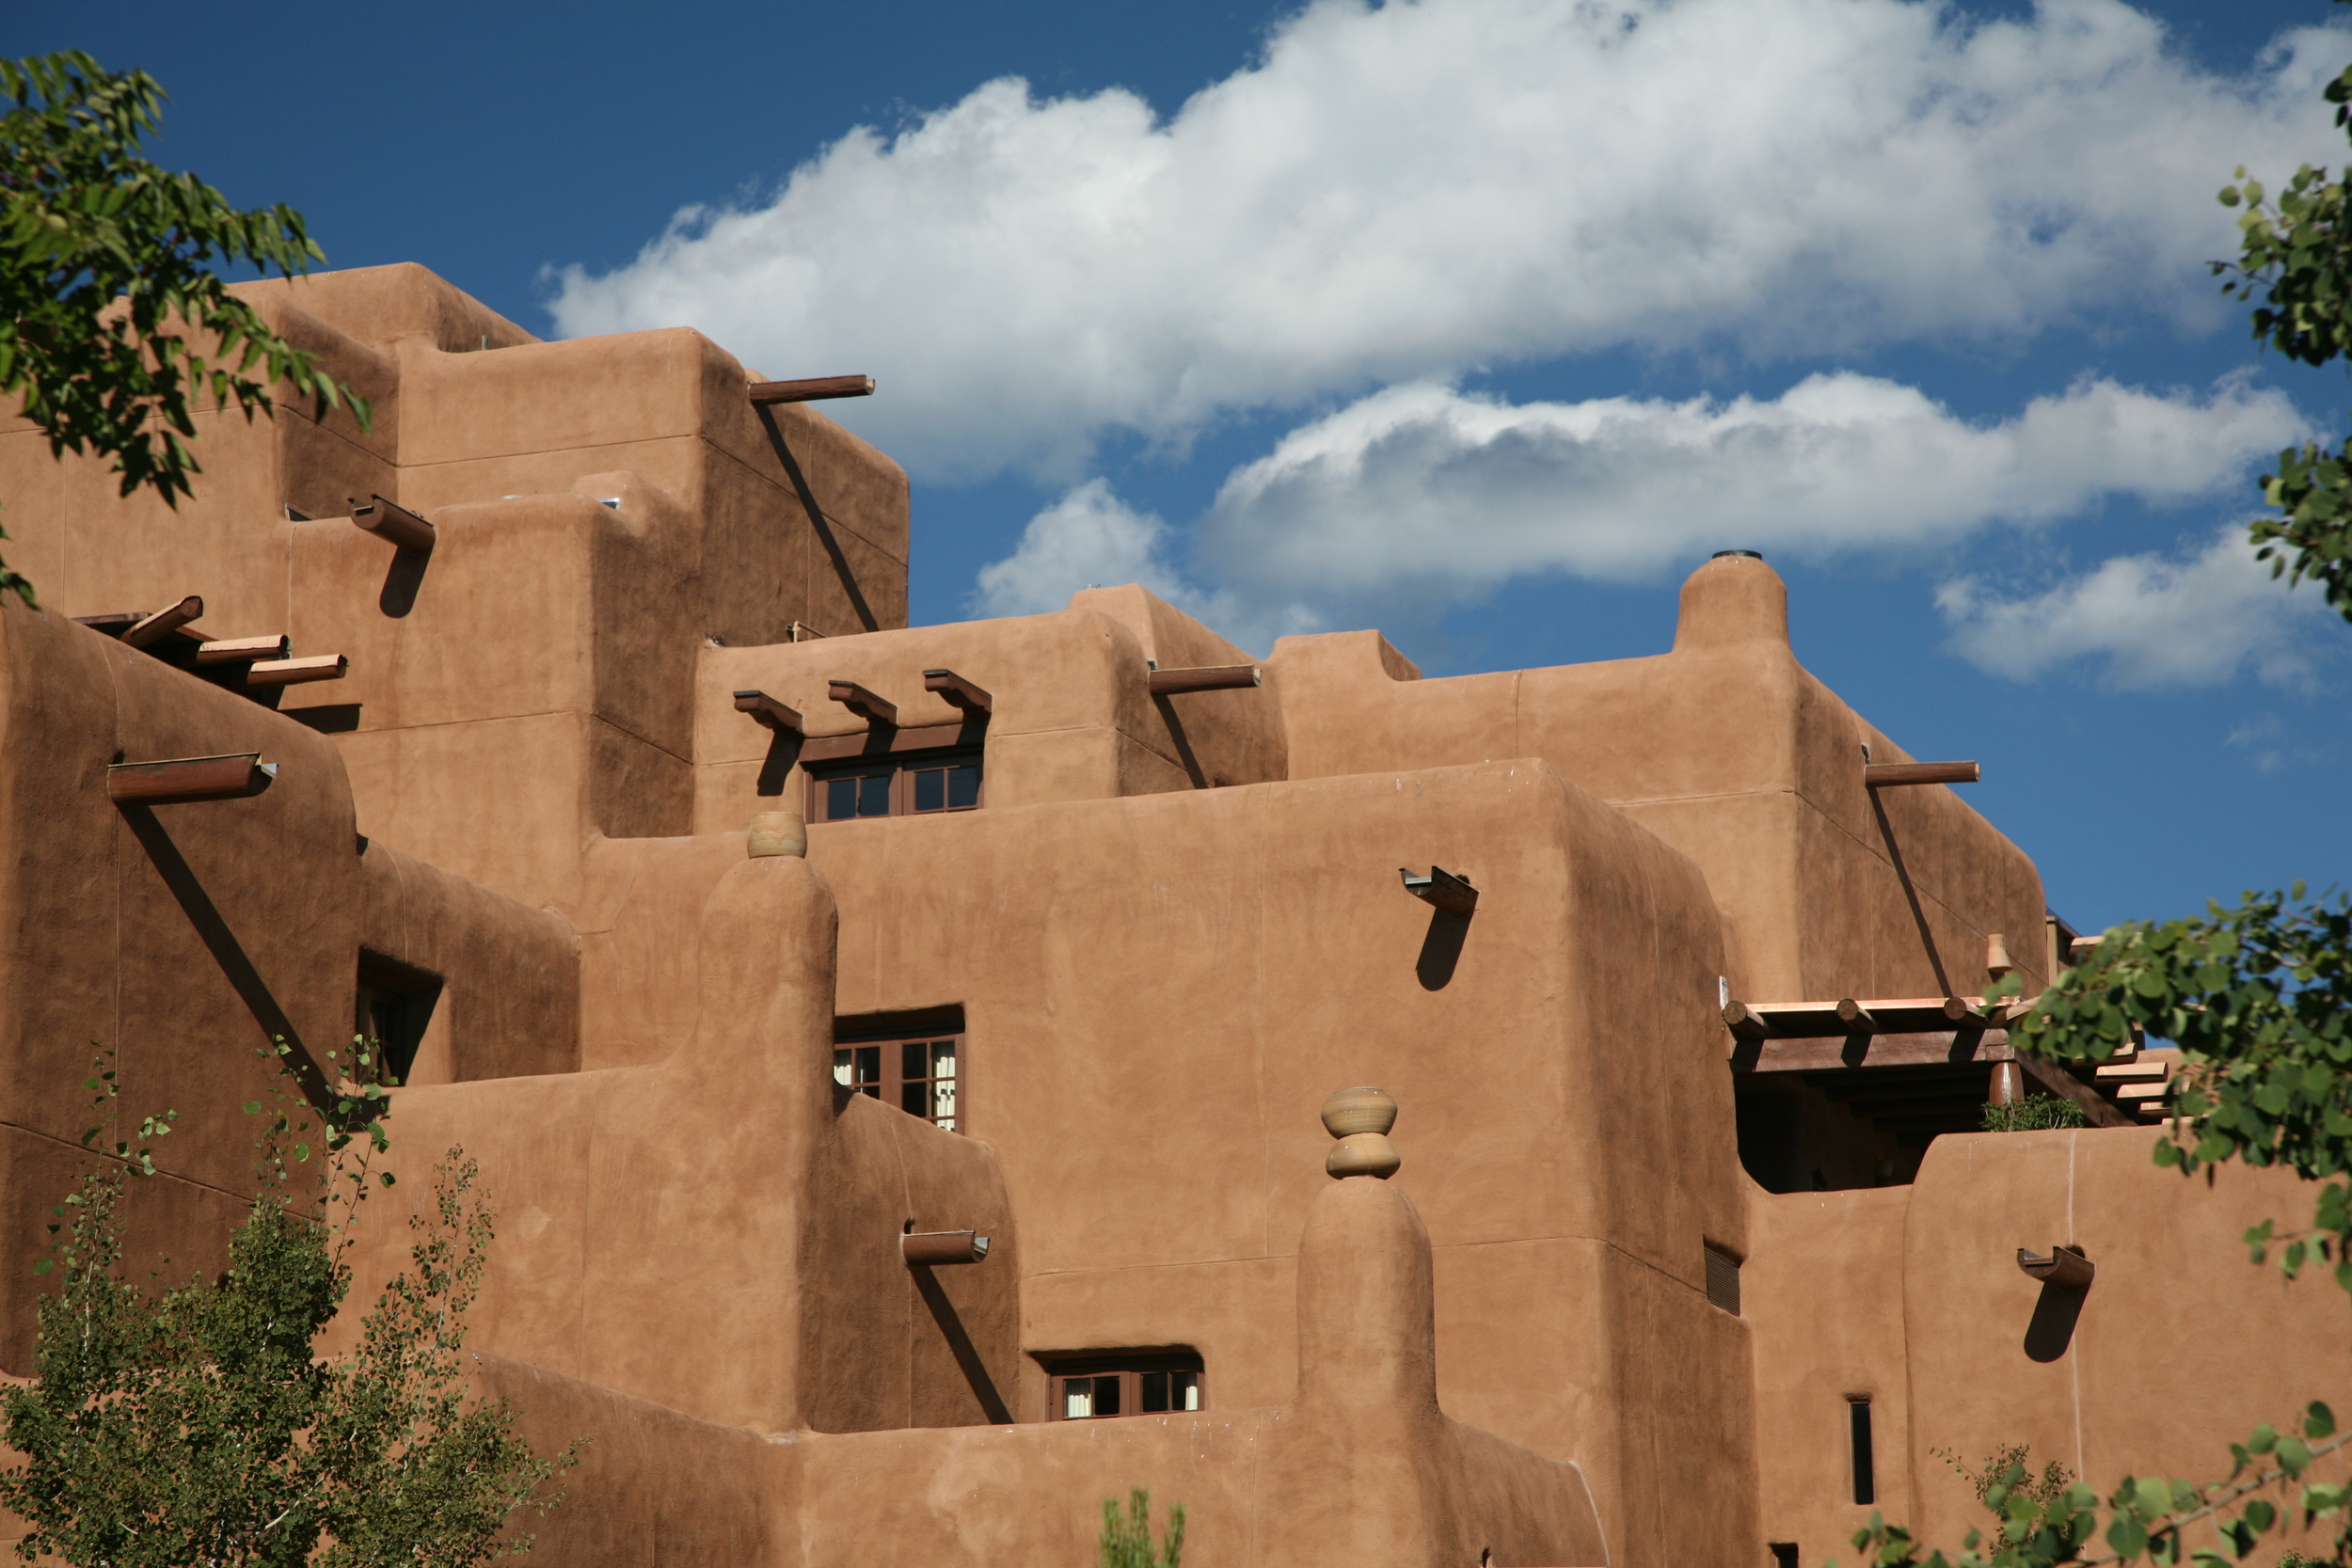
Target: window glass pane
{"x": 841, "y": 1068}
{"x": 930, "y": 789}
{"x": 1077, "y": 1397}
{"x": 963, "y": 786}
{"x": 840, "y": 798}
{"x": 914, "y": 1099}
{"x": 1188, "y": 1390}
{"x": 943, "y": 1104}
{"x": 1106, "y": 1395}
{"x": 943, "y": 1059}
{"x": 873, "y": 794}
{"x": 914, "y": 1060}
{"x": 1155, "y": 1392}
{"x": 869, "y": 1070}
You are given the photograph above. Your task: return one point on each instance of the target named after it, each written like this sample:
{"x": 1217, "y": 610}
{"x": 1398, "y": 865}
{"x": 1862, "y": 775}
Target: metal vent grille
{"x": 1723, "y": 1279}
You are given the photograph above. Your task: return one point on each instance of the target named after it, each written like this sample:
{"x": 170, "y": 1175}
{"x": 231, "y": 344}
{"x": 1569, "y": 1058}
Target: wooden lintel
{"x": 294, "y": 672}
{"x": 394, "y": 524}
{"x": 959, "y": 693}
{"x": 889, "y": 741}
{"x": 182, "y": 780}
{"x": 155, "y": 627}
{"x": 865, "y": 704}
{"x": 1816, "y": 1055}
{"x": 1206, "y": 677}
{"x": 769, "y": 713}
{"x": 242, "y": 650}
{"x": 814, "y": 389}
{"x": 1880, "y": 775}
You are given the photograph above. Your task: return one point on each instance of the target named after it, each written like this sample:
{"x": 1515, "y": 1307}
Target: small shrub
{"x": 2007, "y": 1466}
{"x": 1127, "y": 1543}
{"x": 2033, "y": 1114}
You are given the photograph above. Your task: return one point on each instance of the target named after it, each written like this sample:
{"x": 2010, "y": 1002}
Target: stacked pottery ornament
{"x": 1361, "y": 1118}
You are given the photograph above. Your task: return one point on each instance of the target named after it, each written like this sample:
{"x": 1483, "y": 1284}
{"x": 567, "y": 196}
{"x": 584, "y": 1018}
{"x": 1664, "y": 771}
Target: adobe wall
{"x": 1074, "y": 718}
{"x": 726, "y": 1189}
{"x": 1195, "y": 969}
{"x": 1727, "y": 749}
{"x": 1912, "y": 1296}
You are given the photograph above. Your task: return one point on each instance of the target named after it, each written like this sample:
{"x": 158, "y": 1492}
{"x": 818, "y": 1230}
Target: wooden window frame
{"x": 901, "y": 752}
{"x": 889, "y": 1034}
{"x": 1126, "y": 1371}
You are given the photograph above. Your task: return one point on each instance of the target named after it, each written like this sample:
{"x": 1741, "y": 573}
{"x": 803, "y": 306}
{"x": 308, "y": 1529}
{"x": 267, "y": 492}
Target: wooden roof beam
{"x": 873, "y": 709}
{"x": 1881, "y": 775}
{"x": 182, "y": 780}
{"x": 816, "y": 388}
{"x": 770, "y": 714}
{"x": 394, "y": 524}
{"x": 959, "y": 693}
{"x": 1206, "y": 677}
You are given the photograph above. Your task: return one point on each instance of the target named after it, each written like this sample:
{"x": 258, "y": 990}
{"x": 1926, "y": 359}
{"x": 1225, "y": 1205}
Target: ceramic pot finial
{"x": 1362, "y": 1154}
{"x": 1362, "y": 1109}
{"x": 777, "y": 832}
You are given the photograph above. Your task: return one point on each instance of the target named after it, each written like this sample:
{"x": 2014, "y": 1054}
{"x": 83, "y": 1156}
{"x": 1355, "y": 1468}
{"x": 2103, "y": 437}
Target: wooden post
{"x": 2008, "y": 1084}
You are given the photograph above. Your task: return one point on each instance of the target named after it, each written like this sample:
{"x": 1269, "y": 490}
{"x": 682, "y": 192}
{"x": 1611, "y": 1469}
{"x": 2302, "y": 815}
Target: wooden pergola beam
{"x": 242, "y": 650}
{"x": 1881, "y": 775}
{"x": 163, "y": 622}
{"x": 1442, "y": 889}
{"x": 815, "y": 388}
{"x": 296, "y": 671}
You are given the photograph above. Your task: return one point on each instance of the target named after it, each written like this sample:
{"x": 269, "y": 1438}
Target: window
{"x": 911, "y": 1060}
{"x": 1722, "y": 1279}
{"x": 395, "y": 1004}
{"x": 1866, "y": 1485}
{"x": 1136, "y": 1383}
{"x": 912, "y": 783}
{"x": 1783, "y": 1554}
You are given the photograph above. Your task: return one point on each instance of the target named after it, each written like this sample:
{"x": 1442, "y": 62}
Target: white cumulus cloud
{"x": 2149, "y": 622}
{"x": 1411, "y": 189}
{"x": 1090, "y": 538}
{"x": 1422, "y": 485}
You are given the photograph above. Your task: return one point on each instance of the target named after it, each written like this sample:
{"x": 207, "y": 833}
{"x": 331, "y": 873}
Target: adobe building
{"x": 769, "y": 954}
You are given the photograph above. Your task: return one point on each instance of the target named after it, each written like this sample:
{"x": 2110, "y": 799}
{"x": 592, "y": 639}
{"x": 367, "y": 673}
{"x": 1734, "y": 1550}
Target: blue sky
{"x": 1482, "y": 321}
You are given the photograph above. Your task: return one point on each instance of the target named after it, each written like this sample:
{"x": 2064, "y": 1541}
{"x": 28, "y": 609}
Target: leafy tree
{"x": 1127, "y": 1543}
{"x": 196, "y": 1424}
{"x": 116, "y": 319}
{"x": 2257, "y": 996}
